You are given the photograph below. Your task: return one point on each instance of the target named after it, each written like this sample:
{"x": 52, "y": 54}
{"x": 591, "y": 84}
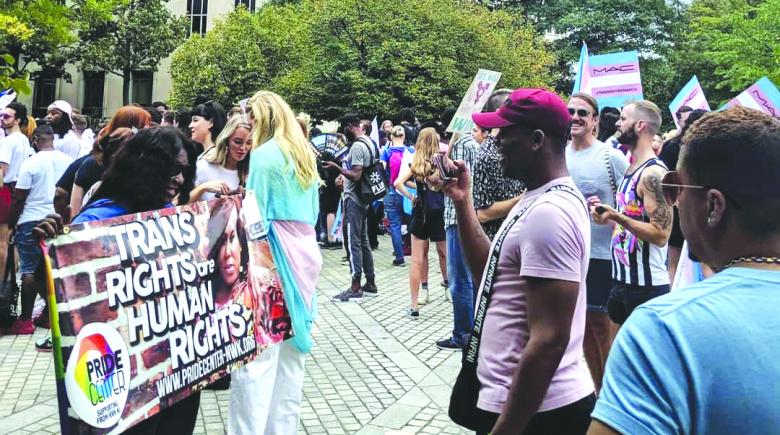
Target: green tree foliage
{"x": 241, "y": 54}
{"x": 731, "y": 44}
{"x": 120, "y": 36}
{"x": 38, "y": 36}
{"x": 651, "y": 27}
{"x": 329, "y": 57}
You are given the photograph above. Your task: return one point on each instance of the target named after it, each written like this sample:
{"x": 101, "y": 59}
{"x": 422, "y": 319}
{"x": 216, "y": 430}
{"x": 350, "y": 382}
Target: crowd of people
{"x": 556, "y": 224}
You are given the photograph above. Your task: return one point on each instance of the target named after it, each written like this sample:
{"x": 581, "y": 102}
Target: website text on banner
{"x": 153, "y": 307}
{"x": 613, "y": 79}
{"x": 691, "y": 95}
{"x": 763, "y": 95}
{"x": 477, "y": 95}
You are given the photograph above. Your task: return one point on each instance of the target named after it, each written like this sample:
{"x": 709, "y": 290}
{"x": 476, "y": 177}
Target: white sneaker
{"x": 423, "y": 298}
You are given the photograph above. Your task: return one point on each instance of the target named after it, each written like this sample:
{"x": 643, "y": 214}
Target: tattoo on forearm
{"x": 662, "y": 215}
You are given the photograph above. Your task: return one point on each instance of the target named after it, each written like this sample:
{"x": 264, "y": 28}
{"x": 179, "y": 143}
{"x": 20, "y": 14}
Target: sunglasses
{"x": 6, "y": 116}
{"x": 580, "y": 112}
{"x": 672, "y": 188}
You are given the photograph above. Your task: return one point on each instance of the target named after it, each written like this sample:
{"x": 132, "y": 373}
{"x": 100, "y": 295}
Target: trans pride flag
{"x": 690, "y": 95}
{"x": 763, "y": 95}
{"x": 612, "y": 79}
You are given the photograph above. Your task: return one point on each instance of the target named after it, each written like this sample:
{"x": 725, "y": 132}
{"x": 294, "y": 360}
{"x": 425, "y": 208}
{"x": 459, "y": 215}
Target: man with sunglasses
{"x": 597, "y": 169}
{"x": 530, "y": 367}
{"x": 642, "y": 218}
{"x": 704, "y": 360}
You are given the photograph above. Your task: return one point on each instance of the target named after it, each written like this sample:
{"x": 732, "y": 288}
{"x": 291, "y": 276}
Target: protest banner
{"x": 612, "y": 79}
{"x": 150, "y": 308}
{"x": 690, "y": 95}
{"x": 474, "y": 100}
{"x": 763, "y": 95}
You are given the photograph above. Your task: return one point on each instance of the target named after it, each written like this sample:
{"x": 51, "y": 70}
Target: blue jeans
{"x": 461, "y": 288}
{"x": 394, "y": 208}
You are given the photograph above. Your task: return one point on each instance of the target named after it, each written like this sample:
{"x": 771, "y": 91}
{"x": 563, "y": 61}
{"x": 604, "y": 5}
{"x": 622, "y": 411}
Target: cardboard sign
{"x": 763, "y": 96}
{"x": 477, "y": 95}
{"x": 690, "y": 95}
{"x": 152, "y": 307}
{"x": 612, "y": 79}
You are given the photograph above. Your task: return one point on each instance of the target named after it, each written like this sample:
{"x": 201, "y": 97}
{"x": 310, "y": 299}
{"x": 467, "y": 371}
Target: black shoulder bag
{"x": 465, "y": 393}
{"x": 9, "y": 291}
{"x": 373, "y": 182}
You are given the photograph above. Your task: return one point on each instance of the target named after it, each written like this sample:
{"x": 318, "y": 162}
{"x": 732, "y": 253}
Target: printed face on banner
{"x": 161, "y": 304}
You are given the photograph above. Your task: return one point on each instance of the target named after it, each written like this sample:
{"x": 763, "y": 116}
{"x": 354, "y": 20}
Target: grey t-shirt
{"x": 589, "y": 168}
{"x": 359, "y": 155}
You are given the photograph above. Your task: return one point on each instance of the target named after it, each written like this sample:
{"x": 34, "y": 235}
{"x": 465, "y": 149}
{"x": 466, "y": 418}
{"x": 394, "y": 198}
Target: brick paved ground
{"x": 372, "y": 370}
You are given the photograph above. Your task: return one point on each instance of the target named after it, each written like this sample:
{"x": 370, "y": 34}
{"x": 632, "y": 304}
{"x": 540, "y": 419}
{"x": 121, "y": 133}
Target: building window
{"x": 197, "y": 11}
{"x": 45, "y": 93}
{"x": 94, "y": 84}
{"x": 142, "y": 87}
{"x": 250, "y": 4}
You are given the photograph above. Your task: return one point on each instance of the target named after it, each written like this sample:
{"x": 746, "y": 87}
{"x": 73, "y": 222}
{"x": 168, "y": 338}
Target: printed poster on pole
{"x": 150, "y": 308}
{"x": 763, "y": 95}
{"x": 690, "y": 95}
{"x": 477, "y": 95}
{"x": 612, "y": 79}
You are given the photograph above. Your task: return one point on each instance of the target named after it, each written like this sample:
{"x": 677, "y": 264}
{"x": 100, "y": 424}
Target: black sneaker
{"x": 44, "y": 345}
{"x": 331, "y": 245}
{"x": 398, "y": 262}
{"x": 448, "y": 344}
{"x": 348, "y": 295}
{"x": 370, "y": 290}
{"x": 413, "y": 314}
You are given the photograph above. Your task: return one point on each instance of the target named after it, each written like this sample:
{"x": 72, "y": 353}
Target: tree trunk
{"x": 126, "y": 78}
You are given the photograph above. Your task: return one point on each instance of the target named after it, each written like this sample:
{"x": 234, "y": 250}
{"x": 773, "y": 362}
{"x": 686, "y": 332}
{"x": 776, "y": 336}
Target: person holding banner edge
{"x": 146, "y": 173}
{"x": 265, "y": 395}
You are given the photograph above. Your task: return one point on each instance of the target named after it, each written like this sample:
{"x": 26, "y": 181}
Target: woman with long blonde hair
{"x": 224, "y": 167}
{"x": 427, "y": 224}
{"x": 266, "y": 394}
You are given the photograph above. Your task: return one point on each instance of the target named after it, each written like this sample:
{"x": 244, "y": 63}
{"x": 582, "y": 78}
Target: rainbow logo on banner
{"x": 96, "y": 359}
{"x": 763, "y": 96}
{"x": 691, "y": 95}
{"x": 612, "y": 79}
{"x": 101, "y": 375}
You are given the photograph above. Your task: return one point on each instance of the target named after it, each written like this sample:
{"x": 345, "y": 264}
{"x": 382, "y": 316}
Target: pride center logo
{"x": 98, "y": 375}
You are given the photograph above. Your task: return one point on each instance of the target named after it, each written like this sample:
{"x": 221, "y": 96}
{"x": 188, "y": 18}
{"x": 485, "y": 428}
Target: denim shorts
{"x": 29, "y": 247}
{"x": 626, "y": 297}
{"x": 599, "y": 284}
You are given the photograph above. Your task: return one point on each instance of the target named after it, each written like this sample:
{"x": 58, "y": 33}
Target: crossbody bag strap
{"x": 610, "y": 171}
{"x": 487, "y": 280}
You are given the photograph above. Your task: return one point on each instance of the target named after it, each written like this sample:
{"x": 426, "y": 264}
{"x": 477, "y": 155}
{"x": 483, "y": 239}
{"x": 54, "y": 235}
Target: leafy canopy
{"x": 330, "y": 57}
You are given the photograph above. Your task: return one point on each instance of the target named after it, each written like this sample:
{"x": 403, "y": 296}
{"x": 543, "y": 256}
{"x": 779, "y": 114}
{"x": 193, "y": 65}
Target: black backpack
{"x": 373, "y": 182}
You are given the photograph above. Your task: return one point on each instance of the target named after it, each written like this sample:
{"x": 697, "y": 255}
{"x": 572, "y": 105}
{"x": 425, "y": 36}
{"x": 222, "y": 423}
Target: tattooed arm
{"x": 659, "y": 228}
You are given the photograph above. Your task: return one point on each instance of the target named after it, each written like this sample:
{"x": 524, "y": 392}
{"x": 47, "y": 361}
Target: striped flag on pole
{"x": 690, "y": 95}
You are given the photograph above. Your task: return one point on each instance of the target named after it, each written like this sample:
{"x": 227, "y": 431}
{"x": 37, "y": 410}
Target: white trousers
{"x": 265, "y": 395}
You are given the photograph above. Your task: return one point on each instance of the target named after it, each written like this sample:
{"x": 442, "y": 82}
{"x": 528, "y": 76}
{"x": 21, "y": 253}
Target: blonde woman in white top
{"x": 223, "y": 168}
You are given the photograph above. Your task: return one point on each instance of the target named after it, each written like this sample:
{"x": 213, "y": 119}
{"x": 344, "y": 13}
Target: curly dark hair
{"x": 140, "y": 171}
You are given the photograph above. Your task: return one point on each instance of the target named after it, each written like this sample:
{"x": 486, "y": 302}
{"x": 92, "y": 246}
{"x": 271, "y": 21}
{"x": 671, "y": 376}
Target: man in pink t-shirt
{"x": 530, "y": 364}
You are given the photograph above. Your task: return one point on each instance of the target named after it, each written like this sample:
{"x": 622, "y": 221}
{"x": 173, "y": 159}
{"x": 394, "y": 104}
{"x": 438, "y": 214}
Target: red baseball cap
{"x": 533, "y": 108}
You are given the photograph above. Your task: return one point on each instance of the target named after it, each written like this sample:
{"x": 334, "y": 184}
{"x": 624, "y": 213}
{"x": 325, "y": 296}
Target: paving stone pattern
{"x": 372, "y": 369}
